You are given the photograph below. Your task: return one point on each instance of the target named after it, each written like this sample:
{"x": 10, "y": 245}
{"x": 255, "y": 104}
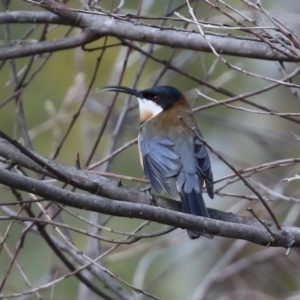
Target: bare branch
{"x": 123, "y": 28}
{"x": 289, "y": 236}
{"x": 86, "y": 36}
{"x": 249, "y": 229}
{"x": 34, "y": 17}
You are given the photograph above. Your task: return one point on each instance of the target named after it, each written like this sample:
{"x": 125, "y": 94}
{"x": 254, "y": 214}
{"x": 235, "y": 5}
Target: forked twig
{"x": 261, "y": 222}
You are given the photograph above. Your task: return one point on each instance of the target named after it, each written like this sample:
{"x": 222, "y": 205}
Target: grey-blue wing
{"x": 161, "y": 164}
{"x": 179, "y": 174}
{"x": 204, "y": 166}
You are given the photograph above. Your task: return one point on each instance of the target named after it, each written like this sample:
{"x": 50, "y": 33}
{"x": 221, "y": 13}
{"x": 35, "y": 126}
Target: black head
{"x": 162, "y": 95}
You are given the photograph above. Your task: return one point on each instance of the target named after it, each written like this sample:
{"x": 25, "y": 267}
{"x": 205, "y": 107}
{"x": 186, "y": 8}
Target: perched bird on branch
{"x": 173, "y": 157}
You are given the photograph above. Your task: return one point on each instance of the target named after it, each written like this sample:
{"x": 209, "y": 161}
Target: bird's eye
{"x": 155, "y": 98}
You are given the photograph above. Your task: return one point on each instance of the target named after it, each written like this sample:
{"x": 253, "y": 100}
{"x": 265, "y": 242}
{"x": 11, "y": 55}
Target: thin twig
{"x": 193, "y": 129}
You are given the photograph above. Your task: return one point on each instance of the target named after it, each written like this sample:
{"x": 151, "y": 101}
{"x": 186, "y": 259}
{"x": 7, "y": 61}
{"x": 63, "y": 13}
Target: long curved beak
{"x": 122, "y": 89}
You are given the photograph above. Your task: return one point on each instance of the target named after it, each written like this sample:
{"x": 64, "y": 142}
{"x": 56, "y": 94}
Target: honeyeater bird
{"x": 173, "y": 157}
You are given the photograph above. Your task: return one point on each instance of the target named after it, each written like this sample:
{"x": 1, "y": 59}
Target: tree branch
{"x": 35, "y": 17}
{"x": 226, "y": 225}
{"x": 84, "y": 37}
{"x": 288, "y": 237}
{"x": 103, "y": 25}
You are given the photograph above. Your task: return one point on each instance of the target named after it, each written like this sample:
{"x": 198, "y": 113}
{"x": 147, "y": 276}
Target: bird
{"x": 173, "y": 157}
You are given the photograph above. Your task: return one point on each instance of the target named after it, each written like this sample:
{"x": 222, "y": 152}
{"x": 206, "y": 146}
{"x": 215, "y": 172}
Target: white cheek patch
{"x": 148, "y": 109}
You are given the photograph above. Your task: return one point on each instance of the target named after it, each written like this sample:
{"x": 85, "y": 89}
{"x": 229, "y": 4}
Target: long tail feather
{"x": 193, "y": 203}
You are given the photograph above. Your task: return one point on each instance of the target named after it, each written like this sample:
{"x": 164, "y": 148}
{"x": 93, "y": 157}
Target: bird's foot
{"x": 147, "y": 190}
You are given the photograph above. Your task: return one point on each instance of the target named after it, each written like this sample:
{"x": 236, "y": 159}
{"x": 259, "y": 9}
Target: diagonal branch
{"x": 235, "y": 171}
{"x": 105, "y": 187}
{"x": 289, "y": 236}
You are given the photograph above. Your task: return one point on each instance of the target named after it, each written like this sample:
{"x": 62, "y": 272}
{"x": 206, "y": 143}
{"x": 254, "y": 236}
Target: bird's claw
{"x": 147, "y": 190}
